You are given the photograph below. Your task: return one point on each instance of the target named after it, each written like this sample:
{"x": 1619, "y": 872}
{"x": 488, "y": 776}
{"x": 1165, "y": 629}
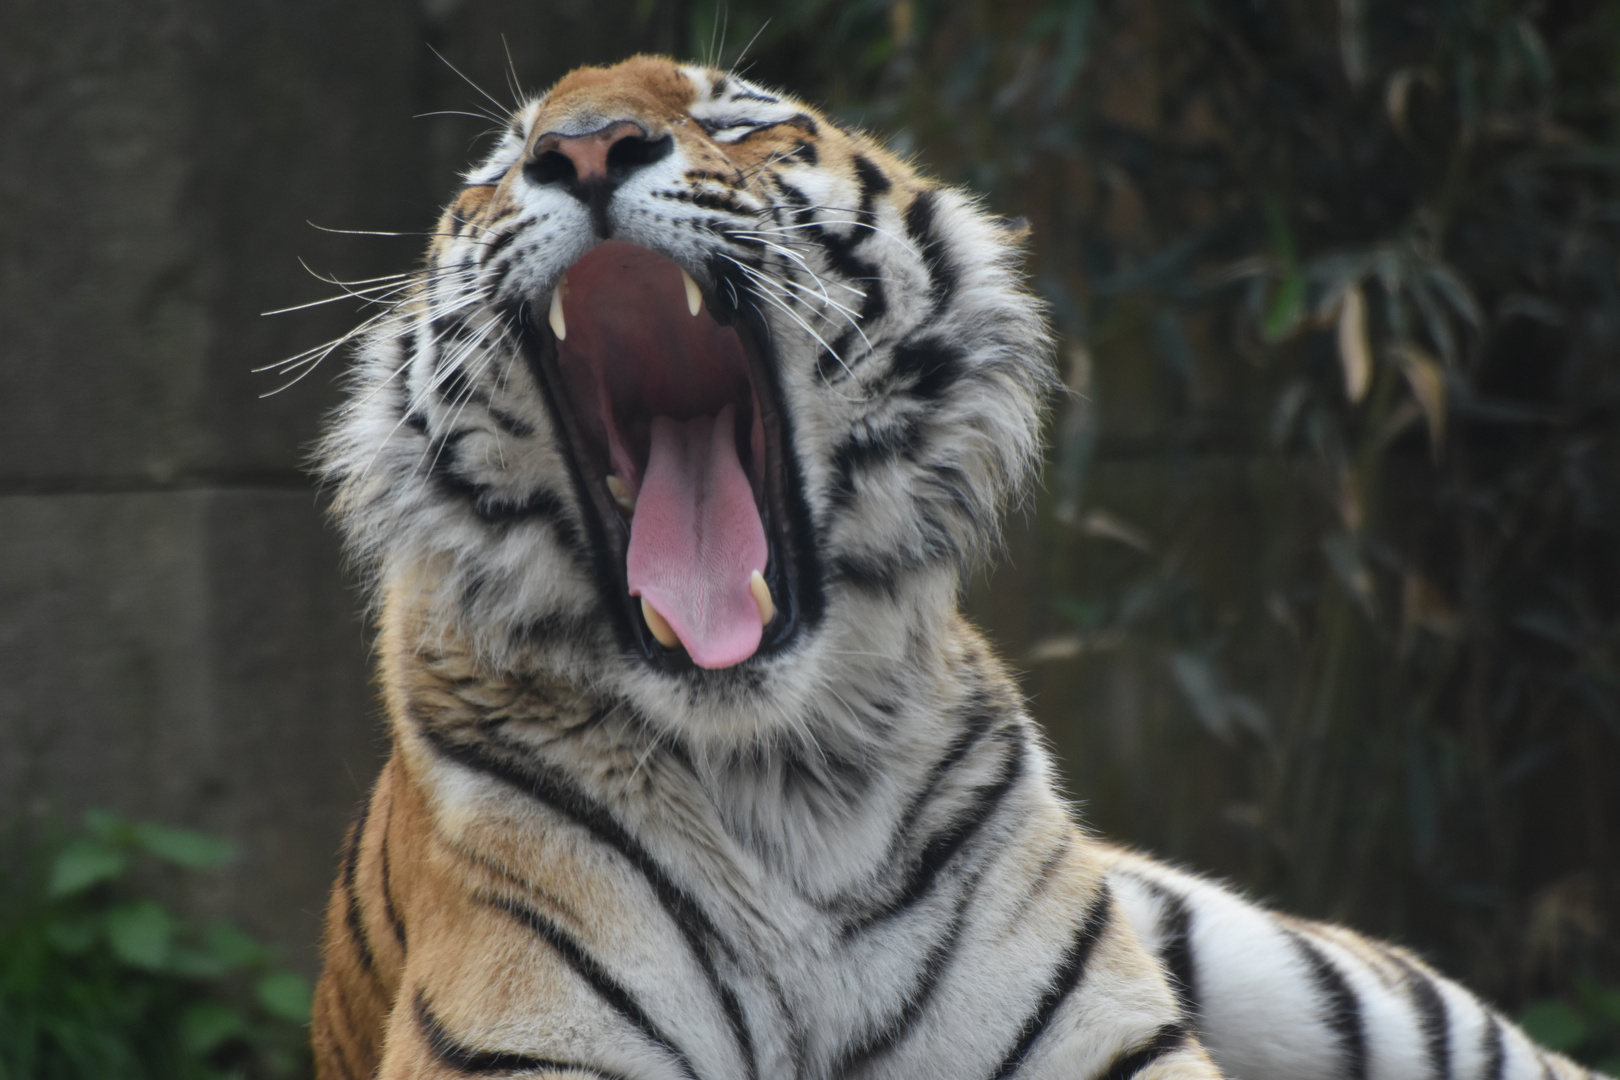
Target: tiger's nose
{"x": 591, "y": 167}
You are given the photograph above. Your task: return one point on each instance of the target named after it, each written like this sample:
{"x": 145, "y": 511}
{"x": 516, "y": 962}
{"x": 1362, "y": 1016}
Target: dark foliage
{"x": 100, "y": 980}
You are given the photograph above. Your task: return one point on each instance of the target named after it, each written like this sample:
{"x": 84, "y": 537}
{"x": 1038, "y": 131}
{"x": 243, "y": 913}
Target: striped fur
{"x": 845, "y": 855}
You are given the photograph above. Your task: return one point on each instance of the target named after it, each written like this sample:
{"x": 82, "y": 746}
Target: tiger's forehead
{"x": 649, "y": 89}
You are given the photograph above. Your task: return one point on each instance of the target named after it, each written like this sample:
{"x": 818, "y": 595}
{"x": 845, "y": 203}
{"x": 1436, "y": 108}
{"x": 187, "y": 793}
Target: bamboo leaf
{"x": 1427, "y": 379}
{"x": 1286, "y": 309}
{"x": 1457, "y": 294}
{"x": 1355, "y": 355}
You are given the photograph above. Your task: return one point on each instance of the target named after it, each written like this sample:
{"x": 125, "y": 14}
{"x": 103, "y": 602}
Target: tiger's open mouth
{"x": 670, "y": 412}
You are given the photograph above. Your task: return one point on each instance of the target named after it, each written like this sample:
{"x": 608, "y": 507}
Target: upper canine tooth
{"x": 621, "y": 493}
{"x": 762, "y": 597}
{"x": 694, "y": 295}
{"x": 659, "y": 625}
{"x": 558, "y": 327}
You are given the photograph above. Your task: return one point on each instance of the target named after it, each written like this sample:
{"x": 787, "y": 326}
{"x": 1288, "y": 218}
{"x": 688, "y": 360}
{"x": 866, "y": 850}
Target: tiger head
{"x": 699, "y": 400}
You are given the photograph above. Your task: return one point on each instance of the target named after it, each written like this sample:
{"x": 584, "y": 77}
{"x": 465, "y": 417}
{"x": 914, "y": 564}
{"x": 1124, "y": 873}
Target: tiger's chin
{"x": 678, "y": 447}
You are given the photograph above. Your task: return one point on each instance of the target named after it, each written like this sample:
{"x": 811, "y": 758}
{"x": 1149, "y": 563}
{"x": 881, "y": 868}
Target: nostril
{"x": 591, "y": 167}
{"x": 551, "y": 167}
{"x": 634, "y": 152}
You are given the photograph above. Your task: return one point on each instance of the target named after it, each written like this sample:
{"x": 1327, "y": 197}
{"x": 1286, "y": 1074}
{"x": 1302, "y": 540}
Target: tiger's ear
{"x": 1018, "y": 229}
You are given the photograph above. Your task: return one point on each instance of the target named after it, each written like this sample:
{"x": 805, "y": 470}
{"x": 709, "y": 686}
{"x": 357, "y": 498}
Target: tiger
{"x": 666, "y": 468}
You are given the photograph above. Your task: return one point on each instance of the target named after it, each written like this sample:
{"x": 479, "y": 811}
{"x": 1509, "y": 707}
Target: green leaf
{"x": 1601, "y": 1001}
{"x": 207, "y": 1025}
{"x": 106, "y": 826}
{"x": 1286, "y": 308}
{"x": 1553, "y": 1024}
{"x": 71, "y": 936}
{"x": 232, "y": 947}
{"x": 193, "y": 850}
{"x": 1087, "y": 614}
{"x": 285, "y": 995}
{"x": 140, "y": 934}
{"x": 81, "y": 864}
{"x": 1200, "y": 685}
{"x": 190, "y": 963}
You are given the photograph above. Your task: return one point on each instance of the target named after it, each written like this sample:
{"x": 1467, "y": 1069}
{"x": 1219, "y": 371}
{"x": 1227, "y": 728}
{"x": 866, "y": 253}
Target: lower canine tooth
{"x": 694, "y": 296}
{"x": 621, "y": 493}
{"x": 659, "y": 626}
{"x": 762, "y": 597}
{"x": 558, "y": 327}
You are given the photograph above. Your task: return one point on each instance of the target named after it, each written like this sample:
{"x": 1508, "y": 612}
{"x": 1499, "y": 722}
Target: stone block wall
{"x": 178, "y": 640}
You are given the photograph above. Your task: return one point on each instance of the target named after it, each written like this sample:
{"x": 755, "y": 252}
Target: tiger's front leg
{"x": 364, "y": 945}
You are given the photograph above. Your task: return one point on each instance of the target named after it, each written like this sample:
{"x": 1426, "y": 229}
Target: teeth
{"x": 762, "y": 597}
{"x": 559, "y": 327}
{"x": 621, "y": 493}
{"x": 694, "y": 296}
{"x": 659, "y": 627}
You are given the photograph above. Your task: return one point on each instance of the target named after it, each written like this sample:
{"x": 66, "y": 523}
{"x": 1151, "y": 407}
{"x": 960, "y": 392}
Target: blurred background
{"x": 1321, "y": 592}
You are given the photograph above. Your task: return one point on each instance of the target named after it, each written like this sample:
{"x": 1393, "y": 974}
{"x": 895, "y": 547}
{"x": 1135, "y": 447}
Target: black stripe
{"x": 931, "y": 365}
{"x": 1344, "y": 1008}
{"x": 470, "y": 1062}
{"x": 873, "y": 181}
{"x": 390, "y": 912}
{"x": 446, "y": 329}
{"x": 340, "y": 1029}
{"x": 1495, "y": 1053}
{"x": 583, "y": 964}
{"x": 514, "y": 426}
{"x": 864, "y": 451}
{"x": 1070, "y": 971}
{"x": 497, "y": 280}
{"x": 454, "y": 386}
{"x": 981, "y": 714}
{"x": 944, "y": 845}
{"x": 494, "y": 508}
{"x": 1175, "y": 945}
{"x": 871, "y": 575}
{"x": 882, "y": 574}
{"x": 548, "y": 786}
{"x": 493, "y": 247}
{"x": 942, "y": 275}
{"x": 1051, "y": 868}
{"x": 342, "y": 1062}
{"x": 1130, "y": 1063}
{"x": 841, "y": 256}
{"x": 351, "y": 914}
{"x": 800, "y": 121}
{"x": 1432, "y": 1017}
{"x": 1175, "y": 951}
{"x": 550, "y": 630}
{"x": 889, "y": 1033}
{"x": 717, "y": 202}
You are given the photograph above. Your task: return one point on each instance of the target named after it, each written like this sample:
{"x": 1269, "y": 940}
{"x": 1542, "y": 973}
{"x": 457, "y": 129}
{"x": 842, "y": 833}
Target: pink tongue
{"x": 696, "y": 538}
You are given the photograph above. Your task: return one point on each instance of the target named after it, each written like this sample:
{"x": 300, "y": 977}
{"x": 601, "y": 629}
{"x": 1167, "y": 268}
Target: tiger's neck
{"x": 816, "y": 802}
